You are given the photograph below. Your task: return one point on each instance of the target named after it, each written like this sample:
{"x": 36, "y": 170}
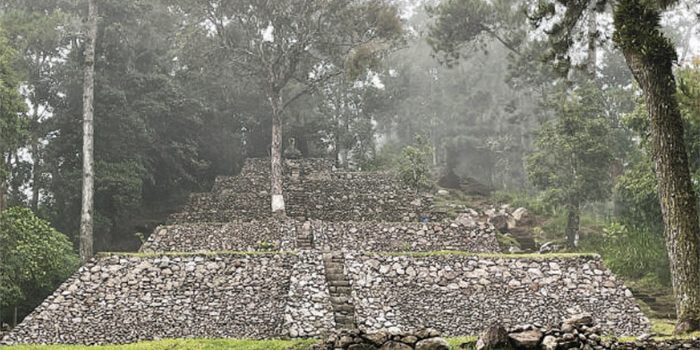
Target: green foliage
{"x": 637, "y": 29}
{"x": 517, "y": 199}
{"x": 461, "y": 24}
{"x": 35, "y": 258}
{"x": 632, "y": 253}
{"x": 266, "y": 246}
{"x": 12, "y": 126}
{"x": 636, "y": 198}
{"x": 572, "y": 158}
{"x": 413, "y": 165}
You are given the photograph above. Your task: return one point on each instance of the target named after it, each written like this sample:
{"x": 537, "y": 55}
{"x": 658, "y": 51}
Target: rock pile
{"x": 576, "y": 332}
{"x": 391, "y": 339}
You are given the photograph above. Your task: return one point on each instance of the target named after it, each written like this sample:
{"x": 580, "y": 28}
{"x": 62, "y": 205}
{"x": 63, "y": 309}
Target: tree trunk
{"x": 592, "y": 40}
{"x": 276, "y": 176}
{"x": 573, "y": 220}
{"x": 36, "y": 171}
{"x": 650, "y": 57}
{"x": 86, "y": 214}
{"x": 3, "y": 184}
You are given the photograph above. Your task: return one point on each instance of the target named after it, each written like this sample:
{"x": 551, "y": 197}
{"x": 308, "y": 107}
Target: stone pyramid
{"x": 352, "y": 254}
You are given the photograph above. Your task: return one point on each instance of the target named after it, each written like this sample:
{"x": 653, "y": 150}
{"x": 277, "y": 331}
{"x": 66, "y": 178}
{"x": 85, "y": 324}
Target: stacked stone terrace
{"x": 351, "y": 254}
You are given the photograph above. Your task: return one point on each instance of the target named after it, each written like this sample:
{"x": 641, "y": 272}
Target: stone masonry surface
{"x": 294, "y": 278}
{"x": 318, "y": 193}
{"x": 265, "y": 235}
{"x": 124, "y": 299}
{"x": 415, "y": 237}
{"x": 459, "y": 294}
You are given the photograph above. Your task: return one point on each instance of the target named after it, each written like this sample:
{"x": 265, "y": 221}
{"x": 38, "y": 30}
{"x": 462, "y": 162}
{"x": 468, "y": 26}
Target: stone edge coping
{"x": 530, "y": 256}
{"x": 107, "y": 255}
{"x": 442, "y": 253}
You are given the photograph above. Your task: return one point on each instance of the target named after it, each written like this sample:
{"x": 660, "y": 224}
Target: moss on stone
{"x": 105, "y": 255}
{"x": 532, "y": 256}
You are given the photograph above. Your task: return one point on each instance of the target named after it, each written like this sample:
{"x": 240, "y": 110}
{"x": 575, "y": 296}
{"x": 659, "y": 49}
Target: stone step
{"x": 339, "y": 283}
{"x": 348, "y": 309}
{"x": 340, "y": 291}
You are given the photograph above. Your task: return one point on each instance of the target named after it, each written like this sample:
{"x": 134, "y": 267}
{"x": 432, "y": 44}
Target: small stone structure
{"x": 424, "y": 339}
{"x": 349, "y": 256}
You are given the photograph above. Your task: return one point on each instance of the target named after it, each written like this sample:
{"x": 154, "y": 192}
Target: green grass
{"x": 183, "y": 344}
{"x": 457, "y": 341}
{"x": 532, "y": 256}
{"x": 103, "y": 255}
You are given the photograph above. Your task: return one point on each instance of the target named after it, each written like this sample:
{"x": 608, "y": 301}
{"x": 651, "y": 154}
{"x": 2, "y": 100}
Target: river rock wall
{"x": 461, "y": 294}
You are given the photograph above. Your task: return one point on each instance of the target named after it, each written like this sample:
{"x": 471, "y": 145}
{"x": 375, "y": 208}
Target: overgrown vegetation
{"x": 35, "y": 260}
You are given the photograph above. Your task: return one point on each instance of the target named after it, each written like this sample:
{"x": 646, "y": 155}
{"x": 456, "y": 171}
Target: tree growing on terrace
{"x": 288, "y": 47}
{"x": 573, "y": 156}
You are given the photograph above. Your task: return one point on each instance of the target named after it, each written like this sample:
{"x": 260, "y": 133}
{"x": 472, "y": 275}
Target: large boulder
{"x": 526, "y": 340}
{"x": 494, "y": 338}
{"x": 500, "y": 222}
{"x": 432, "y": 344}
{"x": 466, "y": 219}
{"x": 522, "y": 216}
{"x": 394, "y": 345}
{"x": 578, "y": 320}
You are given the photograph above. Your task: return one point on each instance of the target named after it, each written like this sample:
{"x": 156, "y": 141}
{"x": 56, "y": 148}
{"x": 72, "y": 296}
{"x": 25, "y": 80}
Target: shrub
{"x": 35, "y": 258}
{"x": 632, "y": 253}
{"x": 414, "y": 165}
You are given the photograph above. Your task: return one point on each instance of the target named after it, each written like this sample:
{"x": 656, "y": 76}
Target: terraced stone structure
{"x": 351, "y": 254}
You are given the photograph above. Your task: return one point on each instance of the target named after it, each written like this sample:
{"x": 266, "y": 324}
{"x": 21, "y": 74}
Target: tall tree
{"x": 38, "y": 31}
{"x": 12, "y": 127}
{"x": 86, "y": 214}
{"x": 287, "y": 48}
{"x": 650, "y": 57}
{"x": 573, "y": 156}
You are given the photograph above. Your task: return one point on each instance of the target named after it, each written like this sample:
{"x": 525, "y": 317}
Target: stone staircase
{"x": 340, "y": 291}
{"x": 305, "y": 237}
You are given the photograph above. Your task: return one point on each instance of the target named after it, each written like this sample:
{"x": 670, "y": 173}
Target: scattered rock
{"x": 494, "y": 338}
{"x": 526, "y": 340}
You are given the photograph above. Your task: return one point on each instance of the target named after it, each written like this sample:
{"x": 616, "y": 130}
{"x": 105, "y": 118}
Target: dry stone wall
{"x": 186, "y": 285}
{"x": 262, "y": 235}
{"x": 124, "y": 299}
{"x": 317, "y": 193}
{"x": 265, "y": 235}
{"x": 460, "y": 294}
{"x": 415, "y": 237}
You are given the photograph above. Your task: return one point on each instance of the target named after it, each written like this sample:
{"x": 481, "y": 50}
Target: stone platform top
{"x": 312, "y": 190}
